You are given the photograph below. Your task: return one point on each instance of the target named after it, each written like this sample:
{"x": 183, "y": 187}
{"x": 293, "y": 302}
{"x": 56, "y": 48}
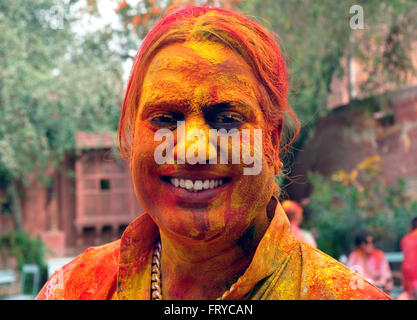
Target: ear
{"x": 276, "y": 143}
{"x": 272, "y": 205}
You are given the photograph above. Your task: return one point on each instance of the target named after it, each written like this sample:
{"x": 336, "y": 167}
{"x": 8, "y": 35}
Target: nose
{"x": 193, "y": 143}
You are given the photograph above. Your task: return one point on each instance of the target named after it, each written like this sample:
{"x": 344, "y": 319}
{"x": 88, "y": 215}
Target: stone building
{"x": 90, "y": 202}
{"x": 384, "y": 125}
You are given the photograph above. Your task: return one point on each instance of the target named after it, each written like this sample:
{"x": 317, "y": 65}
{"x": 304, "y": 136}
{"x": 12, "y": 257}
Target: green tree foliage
{"x": 27, "y": 250}
{"x": 350, "y": 202}
{"x": 53, "y": 83}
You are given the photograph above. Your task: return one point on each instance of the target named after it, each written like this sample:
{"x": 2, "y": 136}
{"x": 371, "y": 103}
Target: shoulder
{"x": 353, "y": 254}
{"x": 323, "y": 277}
{"x": 91, "y": 275}
{"x": 408, "y": 237}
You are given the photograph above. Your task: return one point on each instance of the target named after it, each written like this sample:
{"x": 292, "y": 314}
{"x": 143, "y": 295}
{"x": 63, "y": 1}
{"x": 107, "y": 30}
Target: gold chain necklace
{"x": 156, "y": 273}
{"x": 156, "y": 292}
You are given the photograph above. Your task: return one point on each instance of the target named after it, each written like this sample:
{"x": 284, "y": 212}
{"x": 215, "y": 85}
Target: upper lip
{"x": 198, "y": 174}
{"x": 196, "y": 177}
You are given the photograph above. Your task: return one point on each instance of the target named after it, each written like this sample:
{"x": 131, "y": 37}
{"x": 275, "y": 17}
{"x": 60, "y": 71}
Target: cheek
{"x": 143, "y": 164}
{"x": 255, "y": 191}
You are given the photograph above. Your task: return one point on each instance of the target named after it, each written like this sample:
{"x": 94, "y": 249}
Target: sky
{"x": 107, "y": 16}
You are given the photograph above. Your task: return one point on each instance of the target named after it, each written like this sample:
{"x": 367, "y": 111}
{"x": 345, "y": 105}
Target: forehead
{"x": 199, "y": 72}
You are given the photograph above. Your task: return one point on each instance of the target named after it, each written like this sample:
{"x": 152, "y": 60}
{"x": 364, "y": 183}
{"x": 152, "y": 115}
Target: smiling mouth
{"x": 196, "y": 185}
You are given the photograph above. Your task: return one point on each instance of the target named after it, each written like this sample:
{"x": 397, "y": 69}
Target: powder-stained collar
{"x": 282, "y": 268}
{"x": 139, "y": 239}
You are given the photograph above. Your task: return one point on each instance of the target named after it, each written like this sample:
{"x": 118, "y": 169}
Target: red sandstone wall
{"x": 347, "y": 136}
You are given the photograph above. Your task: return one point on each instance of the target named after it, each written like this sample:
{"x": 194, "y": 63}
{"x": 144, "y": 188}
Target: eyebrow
{"x": 240, "y": 106}
{"x": 225, "y": 105}
{"x": 180, "y": 106}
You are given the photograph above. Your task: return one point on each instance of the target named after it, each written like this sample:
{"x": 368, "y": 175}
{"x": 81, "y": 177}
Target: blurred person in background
{"x": 294, "y": 212}
{"x": 409, "y": 265}
{"x": 370, "y": 262}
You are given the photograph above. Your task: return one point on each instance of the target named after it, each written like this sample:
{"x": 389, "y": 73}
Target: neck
{"x": 205, "y": 270}
{"x": 365, "y": 253}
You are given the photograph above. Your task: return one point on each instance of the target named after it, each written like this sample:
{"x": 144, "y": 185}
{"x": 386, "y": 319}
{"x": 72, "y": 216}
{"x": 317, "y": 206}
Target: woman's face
{"x": 205, "y": 86}
{"x": 368, "y": 245}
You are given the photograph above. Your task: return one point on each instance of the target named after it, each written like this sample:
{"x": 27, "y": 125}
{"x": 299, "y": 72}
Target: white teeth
{"x": 206, "y": 184}
{"x": 189, "y": 184}
{"x": 197, "y": 185}
{"x": 176, "y": 182}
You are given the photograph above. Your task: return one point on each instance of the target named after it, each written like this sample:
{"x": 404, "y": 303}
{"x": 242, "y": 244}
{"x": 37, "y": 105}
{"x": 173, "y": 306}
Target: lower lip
{"x": 191, "y": 198}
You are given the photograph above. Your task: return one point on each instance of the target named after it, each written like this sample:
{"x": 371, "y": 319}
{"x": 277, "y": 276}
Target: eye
{"x": 225, "y": 120}
{"x": 166, "y": 120}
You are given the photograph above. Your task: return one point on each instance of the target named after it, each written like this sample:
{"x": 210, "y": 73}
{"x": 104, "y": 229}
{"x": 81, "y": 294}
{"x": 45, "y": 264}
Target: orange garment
{"x": 373, "y": 267}
{"x": 282, "y": 268}
{"x": 409, "y": 265}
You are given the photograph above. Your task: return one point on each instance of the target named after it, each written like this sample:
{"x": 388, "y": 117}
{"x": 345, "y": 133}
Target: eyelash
{"x": 212, "y": 118}
{"x": 237, "y": 119}
{"x": 172, "y": 117}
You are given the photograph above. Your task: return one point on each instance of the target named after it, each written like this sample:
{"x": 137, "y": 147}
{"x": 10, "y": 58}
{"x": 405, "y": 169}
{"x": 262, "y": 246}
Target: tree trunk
{"x": 16, "y": 206}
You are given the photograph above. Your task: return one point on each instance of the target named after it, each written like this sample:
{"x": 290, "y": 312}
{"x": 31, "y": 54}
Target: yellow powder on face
{"x": 201, "y": 95}
{"x": 211, "y": 51}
